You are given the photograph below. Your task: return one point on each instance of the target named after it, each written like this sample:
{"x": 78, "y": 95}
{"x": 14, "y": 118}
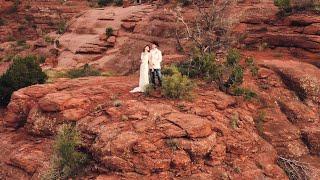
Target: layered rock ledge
{"x": 133, "y": 136}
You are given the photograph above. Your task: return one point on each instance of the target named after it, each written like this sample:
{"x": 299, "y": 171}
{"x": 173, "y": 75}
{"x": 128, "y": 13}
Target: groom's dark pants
{"x": 155, "y": 74}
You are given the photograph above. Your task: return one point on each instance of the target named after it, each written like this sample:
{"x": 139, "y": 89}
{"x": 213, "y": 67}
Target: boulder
{"x": 128, "y": 26}
{"x": 194, "y": 126}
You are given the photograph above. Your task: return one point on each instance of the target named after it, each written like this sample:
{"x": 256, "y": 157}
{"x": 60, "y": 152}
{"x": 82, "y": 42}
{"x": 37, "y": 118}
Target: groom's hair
{"x": 155, "y": 43}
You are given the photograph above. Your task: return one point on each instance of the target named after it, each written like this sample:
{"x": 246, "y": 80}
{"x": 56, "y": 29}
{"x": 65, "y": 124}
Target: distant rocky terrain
{"x": 134, "y": 136}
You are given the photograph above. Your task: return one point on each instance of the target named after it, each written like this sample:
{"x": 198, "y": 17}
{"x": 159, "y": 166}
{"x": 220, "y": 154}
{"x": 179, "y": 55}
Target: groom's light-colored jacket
{"x": 155, "y": 59}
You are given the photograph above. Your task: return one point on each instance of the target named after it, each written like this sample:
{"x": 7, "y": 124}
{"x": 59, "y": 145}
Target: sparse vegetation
{"x": 237, "y": 170}
{"x": 8, "y": 57}
{"x": 84, "y": 71}
{"x": 104, "y": 2}
{"x": 41, "y": 59}
{"x": 259, "y": 121}
{"x": 29, "y": 18}
{"x": 49, "y": 39}
{"x": 2, "y": 22}
{"x": 252, "y": 66}
{"x": 124, "y": 118}
{"x": 181, "y": 107}
{"x": 118, "y": 2}
{"x": 53, "y": 74}
{"x": 67, "y": 161}
{"x": 15, "y": 6}
{"x": 234, "y": 121}
{"x": 294, "y": 169}
{"x": 262, "y": 46}
{"x": 25, "y": 71}
{"x": 21, "y": 42}
{"x": 149, "y": 90}
{"x": 11, "y": 38}
{"x": 235, "y": 77}
{"x": 225, "y": 75}
{"x": 117, "y": 103}
{"x": 290, "y": 6}
{"x": 172, "y": 144}
{"x": 62, "y": 27}
{"x": 233, "y": 57}
{"x": 284, "y": 5}
{"x": 246, "y": 93}
{"x": 202, "y": 66}
{"x": 177, "y": 86}
{"x": 109, "y": 32}
{"x": 209, "y": 31}
{"x": 185, "y": 2}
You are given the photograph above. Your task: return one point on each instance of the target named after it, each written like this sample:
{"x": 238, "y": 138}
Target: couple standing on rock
{"x": 150, "y": 68}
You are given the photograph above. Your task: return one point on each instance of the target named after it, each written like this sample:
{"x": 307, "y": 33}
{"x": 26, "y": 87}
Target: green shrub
{"x": 246, "y": 93}
{"x": 67, "y": 161}
{"x": 201, "y": 66}
{"x": 170, "y": 70}
{"x": 259, "y": 120}
{"x": 104, "y": 2}
{"x": 109, "y": 32}
{"x": 173, "y": 144}
{"x": 8, "y": 57}
{"x": 252, "y": 66}
{"x": 41, "y": 59}
{"x": 149, "y": 90}
{"x": 25, "y": 71}
{"x": 21, "y": 42}
{"x": 234, "y": 121}
{"x": 117, "y": 103}
{"x": 118, "y": 2}
{"x": 236, "y": 76}
{"x": 11, "y": 38}
{"x": 86, "y": 70}
{"x": 2, "y": 22}
{"x": 205, "y": 66}
{"x": 283, "y": 4}
{"x": 233, "y": 57}
{"x": 177, "y": 86}
{"x": 29, "y": 18}
{"x": 62, "y": 27}
{"x": 288, "y": 6}
{"x": 48, "y": 39}
{"x": 185, "y": 2}
{"x": 15, "y": 6}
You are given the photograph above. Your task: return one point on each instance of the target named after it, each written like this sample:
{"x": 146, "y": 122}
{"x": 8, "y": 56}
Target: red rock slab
{"x": 195, "y": 126}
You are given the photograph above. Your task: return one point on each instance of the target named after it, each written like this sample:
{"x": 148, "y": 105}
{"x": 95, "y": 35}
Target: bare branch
{"x": 294, "y": 169}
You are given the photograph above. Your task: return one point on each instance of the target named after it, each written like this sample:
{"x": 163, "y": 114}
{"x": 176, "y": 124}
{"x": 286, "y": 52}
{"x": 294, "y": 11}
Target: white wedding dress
{"x": 144, "y": 73}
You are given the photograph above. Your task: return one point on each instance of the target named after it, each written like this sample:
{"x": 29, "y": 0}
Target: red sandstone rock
{"x": 150, "y": 138}
{"x": 194, "y": 126}
{"x": 128, "y": 26}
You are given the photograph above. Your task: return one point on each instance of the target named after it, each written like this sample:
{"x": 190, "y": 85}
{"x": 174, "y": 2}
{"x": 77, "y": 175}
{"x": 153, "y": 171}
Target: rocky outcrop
{"x": 143, "y": 136}
{"x": 132, "y": 136}
{"x": 305, "y": 85}
{"x": 28, "y": 19}
{"x": 261, "y": 27}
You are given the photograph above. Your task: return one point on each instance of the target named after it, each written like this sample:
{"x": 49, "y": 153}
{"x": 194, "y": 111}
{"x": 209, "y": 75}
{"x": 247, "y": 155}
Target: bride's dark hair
{"x": 144, "y": 48}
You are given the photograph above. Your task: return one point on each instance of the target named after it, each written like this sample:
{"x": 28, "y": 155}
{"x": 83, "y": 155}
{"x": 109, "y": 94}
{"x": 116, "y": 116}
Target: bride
{"x": 144, "y": 70}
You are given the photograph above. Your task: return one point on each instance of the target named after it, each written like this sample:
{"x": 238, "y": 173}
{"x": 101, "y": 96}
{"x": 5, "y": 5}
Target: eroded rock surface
{"x": 144, "y": 137}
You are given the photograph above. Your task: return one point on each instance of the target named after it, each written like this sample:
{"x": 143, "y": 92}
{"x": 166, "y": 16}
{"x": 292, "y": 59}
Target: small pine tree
{"x": 118, "y": 2}
{"x": 177, "y": 86}
{"x": 67, "y": 161}
{"x": 109, "y": 32}
{"x": 25, "y": 71}
{"x": 84, "y": 71}
{"x": 104, "y": 2}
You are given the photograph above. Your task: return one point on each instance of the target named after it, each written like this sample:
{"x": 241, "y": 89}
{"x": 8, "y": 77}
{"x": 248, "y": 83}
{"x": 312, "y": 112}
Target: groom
{"x": 155, "y": 64}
